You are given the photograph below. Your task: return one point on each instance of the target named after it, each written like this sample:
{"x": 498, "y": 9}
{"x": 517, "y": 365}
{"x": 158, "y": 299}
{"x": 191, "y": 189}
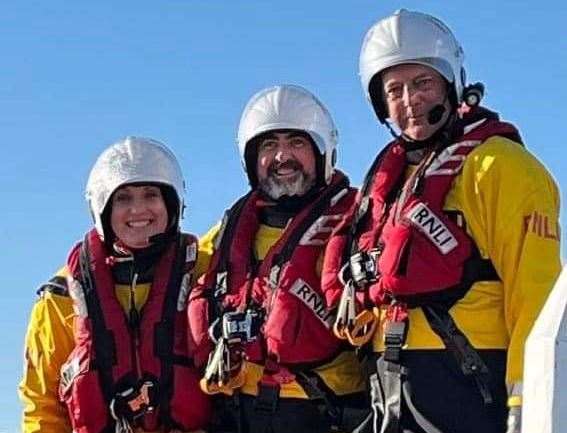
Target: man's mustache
{"x": 291, "y": 164}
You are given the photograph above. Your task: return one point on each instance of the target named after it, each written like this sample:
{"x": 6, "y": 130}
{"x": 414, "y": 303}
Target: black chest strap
{"x": 103, "y": 339}
{"x": 463, "y": 352}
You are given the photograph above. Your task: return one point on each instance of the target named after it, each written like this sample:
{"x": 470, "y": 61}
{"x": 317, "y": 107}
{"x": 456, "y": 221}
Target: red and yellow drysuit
{"x": 504, "y": 200}
{"x": 51, "y": 342}
{"x": 297, "y": 329}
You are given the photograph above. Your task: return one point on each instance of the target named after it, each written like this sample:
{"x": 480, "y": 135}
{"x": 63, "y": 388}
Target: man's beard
{"x": 276, "y": 188}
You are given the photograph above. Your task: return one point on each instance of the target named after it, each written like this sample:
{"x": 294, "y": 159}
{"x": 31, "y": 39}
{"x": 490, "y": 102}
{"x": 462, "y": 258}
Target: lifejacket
{"x": 421, "y": 254}
{"x": 113, "y": 358}
{"x": 285, "y": 286}
{"x": 401, "y": 249}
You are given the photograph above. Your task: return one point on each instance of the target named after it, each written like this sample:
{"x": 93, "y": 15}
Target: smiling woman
{"x": 138, "y": 213}
{"x": 124, "y": 364}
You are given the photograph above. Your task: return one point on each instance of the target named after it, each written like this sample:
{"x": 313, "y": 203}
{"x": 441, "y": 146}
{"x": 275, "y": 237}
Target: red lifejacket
{"x": 109, "y": 357}
{"x": 422, "y": 255}
{"x": 286, "y": 285}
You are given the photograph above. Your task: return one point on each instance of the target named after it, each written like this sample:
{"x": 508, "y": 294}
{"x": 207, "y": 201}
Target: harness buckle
{"x": 134, "y": 402}
{"x": 364, "y": 267}
{"x": 394, "y": 339}
{"x": 349, "y": 325}
{"x": 242, "y": 327}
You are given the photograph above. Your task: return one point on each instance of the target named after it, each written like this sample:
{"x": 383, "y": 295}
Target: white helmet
{"x": 409, "y": 37}
{"x": 132, "y": 160}
{"x": 288, "y": 107}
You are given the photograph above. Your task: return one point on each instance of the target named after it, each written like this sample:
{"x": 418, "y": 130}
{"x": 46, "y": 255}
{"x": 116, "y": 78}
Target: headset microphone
{"x": 435, "y": 114}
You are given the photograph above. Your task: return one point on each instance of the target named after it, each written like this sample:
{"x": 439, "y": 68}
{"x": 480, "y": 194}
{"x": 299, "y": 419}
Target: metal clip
{"x": 356, "y": 327}
{"x": 346, "y": 312}
{"x": 225, "y": 370}
{"x": 364, "y": 327}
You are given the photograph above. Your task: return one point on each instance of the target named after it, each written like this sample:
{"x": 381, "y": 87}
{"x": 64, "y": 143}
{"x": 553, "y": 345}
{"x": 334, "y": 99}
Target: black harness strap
{"x": 458, "y": 345}
{"x": 317, "y": 389}
{"x": 164, "y": 335}
{"x": 266, "y": 402}
{"x": 361, "y": 215}
{"x": 223, "y": 242}
{"x": 56, "y": 285}
{"x": 103, "y": 340}
{"x": 393, "y": 384}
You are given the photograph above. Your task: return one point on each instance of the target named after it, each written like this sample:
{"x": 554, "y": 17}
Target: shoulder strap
{"x": 164, "y": 334}
{"x": 226, "y": 232}
{"x": 103, "y": 341}
{"x": 221, "y": 257}
{"x": 362, "y": 206}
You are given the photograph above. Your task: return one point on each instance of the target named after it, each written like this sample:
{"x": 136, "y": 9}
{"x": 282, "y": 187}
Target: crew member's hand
{"x": 514, "y": 420}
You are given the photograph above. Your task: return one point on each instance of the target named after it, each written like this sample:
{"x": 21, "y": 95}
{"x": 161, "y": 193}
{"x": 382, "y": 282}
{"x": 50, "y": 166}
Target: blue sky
{"x": 77, "y": 76}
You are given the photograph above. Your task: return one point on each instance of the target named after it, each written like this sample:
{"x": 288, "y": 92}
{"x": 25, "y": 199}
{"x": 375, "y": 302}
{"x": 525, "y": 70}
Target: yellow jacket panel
{"x": 510, "y": 204}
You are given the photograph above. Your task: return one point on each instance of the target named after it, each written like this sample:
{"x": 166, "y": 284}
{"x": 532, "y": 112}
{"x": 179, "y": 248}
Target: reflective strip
{"x": 338, "y": 196}
{"x": 184, "y": 292}
{"x": 432, "y": 227}
{"x": 78, "y": 295}
{"x": 472, "y": 126}
{"x": 191, "y": 252}
{"x": 68, "y": 372}
{"x": 449, "y": 155}
{"x": 318, "y": 233}
{"x": 313, "y": 301}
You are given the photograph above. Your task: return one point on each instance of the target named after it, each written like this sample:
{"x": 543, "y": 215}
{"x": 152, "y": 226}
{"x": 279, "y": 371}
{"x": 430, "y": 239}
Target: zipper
{"x": 134, "y": 324}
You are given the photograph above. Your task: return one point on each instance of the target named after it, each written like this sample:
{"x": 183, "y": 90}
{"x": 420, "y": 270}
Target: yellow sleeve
{"x": 206, "y": 250}
{"x": 49, "y": 341}
{"x": 512, "y": 208}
